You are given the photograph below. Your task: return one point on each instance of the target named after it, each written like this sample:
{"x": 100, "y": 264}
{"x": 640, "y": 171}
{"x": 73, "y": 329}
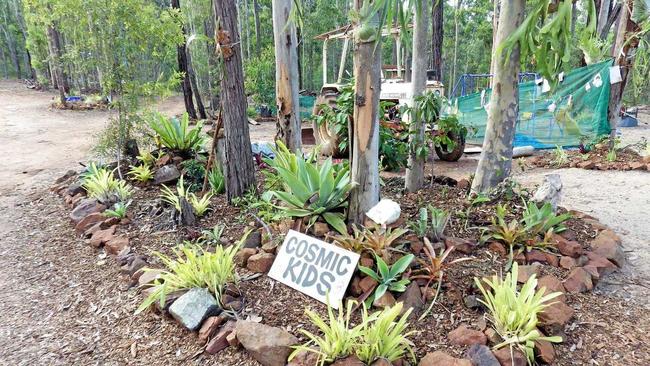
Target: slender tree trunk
{"x": 603, "y": 15}
{"x": 415, "y": 169}
{"x": 239, "y": 169}
{"x": 5, "y": 71}
{"x": 247, "y": 29}
{"x": 437, "y": 22}
{"x": 57, "y": 72}
{"x": 258, "y": 36}
{"x": 11, "y": 46}
{"x": 213, "y": 66}
{"x": 181, "y": 56}
{"x": 286, "y": 75}
{"x": 364, "y": 127}
{"x": 495, "y": 26}
{"x": 496, "y": 158}
{"x": 623, "y": 53}
{"x": 59, "y": 54}
{"x": 23, "y": 30}
{"x": 195, "y": 86}
{"x": 453, "y": 66}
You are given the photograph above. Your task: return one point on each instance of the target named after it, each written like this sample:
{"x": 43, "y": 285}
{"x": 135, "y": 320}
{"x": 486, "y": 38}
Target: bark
{"x": 364, "y": 127}
{"x": 181, "y": 58}
{"x": 195, "y": 85}
{"x": 603, "y": 15}
{"x": 239, "y": 169}
{"x": 63, "y": 79}
{"x": 452, "y": 78}
{"x": 495, "y": 26}
{"x": 11, "y": 46}
{"x": 57, "y": 72}
{"x": 415, "y": 169}
{"x": 437, "y": 22}
{"x": 23, "y": 30}
{"x": 258, "y": 37}
{"x": 622, "y": 51}
{"x": 496, "y": 158}
{"x": 247, "y": 30}
{"x": 286, "y": 75}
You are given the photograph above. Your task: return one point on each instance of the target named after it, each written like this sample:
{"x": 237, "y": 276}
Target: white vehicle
{"x": 393, "y": 89}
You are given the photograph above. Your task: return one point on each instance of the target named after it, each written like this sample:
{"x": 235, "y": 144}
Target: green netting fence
{"x": 574, "y": 111}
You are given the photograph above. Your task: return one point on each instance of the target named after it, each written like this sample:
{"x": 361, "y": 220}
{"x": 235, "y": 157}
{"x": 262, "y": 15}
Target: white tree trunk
{"x": 496, "y": 158}
{"x": 415, "y": 169}
{"x": 286, "y": 75}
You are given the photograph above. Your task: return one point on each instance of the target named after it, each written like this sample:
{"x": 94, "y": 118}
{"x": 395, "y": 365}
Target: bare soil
{"x": 64, "y": 303}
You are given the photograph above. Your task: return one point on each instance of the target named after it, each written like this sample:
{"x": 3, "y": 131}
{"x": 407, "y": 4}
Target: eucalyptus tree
{"x": 239, "y": 170}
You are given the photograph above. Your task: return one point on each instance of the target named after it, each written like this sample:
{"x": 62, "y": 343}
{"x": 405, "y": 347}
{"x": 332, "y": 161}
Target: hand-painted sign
{"x": 314, "y": 267}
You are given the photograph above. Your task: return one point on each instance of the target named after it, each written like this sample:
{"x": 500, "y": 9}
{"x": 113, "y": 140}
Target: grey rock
{"x": 481, "y": 355}
{"x": 471, "y": 302}
{"x": 166, "y": 174}
{"x": 520, "y": 151}
{"x": 75, "y": 188}
{"x": 549, "y": 191}
{"x": 412, "y": 298}
{"x": 254, "y": 240}
{"x": 270, "y": 346}
{"x": 193, "y": 307}
{"x": 85, "y": 208}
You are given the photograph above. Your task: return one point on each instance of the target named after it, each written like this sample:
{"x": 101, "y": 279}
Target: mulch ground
{"x": 73, "y": 306}
{"x": 596, "y": 159}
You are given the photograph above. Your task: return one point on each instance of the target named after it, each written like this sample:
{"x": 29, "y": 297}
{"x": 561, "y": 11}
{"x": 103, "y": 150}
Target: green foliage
{"x": 217, "y": 180}
{"x": 314, "y": 191}
{"x": 393, "y": 148}
{"x": 194, "y": 173}
{"x": 378, "y": 335}
{"x": 119, "y": 210}
{"x": 538, "y": 221}
{"x": 259, "y": 78}
{"x": 510, "y": 233}
{"x": 199, "y": 205}
{"x": 436, "y": 227}
{"x": 283, "y": 159}
{"x": 376, "y": 239}
{"x": 193, "y": 267}
{"x": 146, "y": 158}
{"x": 514, "y": 312}
{"x": 560, "y": 157}
{"x": 141, "y": 173}
{"x": 102, "y": 185}
{"x": 388, "y": 278}
{"x": 421, "y": 225}
{"x": 176, "y": 135}
{"x": 213, "y": 236}
{"x": 611, "y": 156}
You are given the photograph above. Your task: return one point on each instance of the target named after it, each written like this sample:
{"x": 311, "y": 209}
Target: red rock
{"x": 552, "y": 259}
{"x": 481, "y": 355}
{"x": 270, "y": 346}
{"x": 608, "y": 244}
{"x": 304, "y": 358}
{"x": 578, "y": 281}
{"x": 568, "y": 247}
{"x": 464, "y": 246}
{"x": 367, "y": 283}
{"x": 147, "y": 278}
{"x": 498, "y": 248}
{"x": 85, "y": 208}
{"x": 637, "y": 165}
{"x": 220, "y": 340}
{"x": 100, "y": 237}
{"x": 110, "y": 222}
{"x": 260, "y": 262}
{"x": 587, "y": 164}
{"x": 536, "y": 256}
{"x": 386, "y": 300}
{"x": 232, "y": 339}
{"x": 593, "y": 272}
{"x": 525, "y": 272}
{"x": 601, "y": 264}
{"x": 555, "y": 316}
{"x": 464, "y": 336}
{"x": 209, "y": 327}
{"x": 517, "y": 358}
{"x": 89, "y": 221}
{"x": 116, "y": 245}
{"x": 320, "y": 229}
{"x": 544, "y": 351}
{"x": 381, "y": 362}
{"x": 567, "y": 262}
{"x": 367, "y": 262}
{"x": 492, "y": 336}
{"x": 242, "y": 256}
{"x": 552, "y": 284}
{"x": 440, "y": 358}
{"x": 411, "y": 298}
{"x": 164, "y": 160}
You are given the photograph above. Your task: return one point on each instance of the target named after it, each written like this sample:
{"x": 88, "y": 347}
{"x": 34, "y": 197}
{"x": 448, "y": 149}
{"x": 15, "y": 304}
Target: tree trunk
{"x": 63, "y": 79}
{"x": 239, "y": 169}
{"x": 23, "y": 30}
{"x": 286, "y": 75}
{"x": 258, "y": 36}
{"x": 11, "y": 46}
{"x": 364, "y": 127}
{"x": 57, "y": 72}
{"x": 623, "y": 53}
{"x": 495, "y": 26}
{"x": 603, "y": 15}
{"x": 415, "y": 169}
{"x": 496, "y": 158}
{"x": 437, "y": 22}
{"x": 181, "y": 56}
{"x": 452, "y": 78}
{"x": 195, "y": 85}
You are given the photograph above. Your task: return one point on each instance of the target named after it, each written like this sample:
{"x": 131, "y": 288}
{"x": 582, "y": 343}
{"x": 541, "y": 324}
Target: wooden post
{"x": 496, "y": 158}
{"x": 286, "y": 76}
{"x": 364, "y": 129}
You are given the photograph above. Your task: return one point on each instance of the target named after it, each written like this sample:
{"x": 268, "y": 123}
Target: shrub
{"x": 514, "y": 312}
{"x": 175, "y": 134}
{"x": 313, "y": 191}
{"x": 194, "y": 173}
{"x": 101, "y": 184}
{"x": 141, "y": 173}
{"x": 192, "y": 267}
{"x": 217, "y": 180}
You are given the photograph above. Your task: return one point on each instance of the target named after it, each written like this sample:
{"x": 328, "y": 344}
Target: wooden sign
{"x": 314, "y": 267}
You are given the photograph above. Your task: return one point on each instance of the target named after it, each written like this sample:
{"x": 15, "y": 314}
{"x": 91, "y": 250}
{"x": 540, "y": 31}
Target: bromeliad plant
{"x": 376, "y": 239}
{"x": 538, "y": 221}
{"x": 199, "y": 205}
{"x": 313, "y": 191}
{"x": 388, "y": 278}
{"x": 175, "y": 134}
{"x": 102, "y": 185}
{"x": 436, "y": 227}
{"x": 383, "y": 335}
{"x": 213, "y": 236}
{"x": 118, "y": 211}
{"x": 141, "y": 173}
{"x": 217, "y": 180}
{"x": 514, "y": 313}
{"x": 193, "y": 266}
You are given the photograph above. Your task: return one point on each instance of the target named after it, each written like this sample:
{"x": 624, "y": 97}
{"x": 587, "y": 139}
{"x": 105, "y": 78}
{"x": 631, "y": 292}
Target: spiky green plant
{"x": 102, "y": 185}
{"x": 439, "y": 220}
{"x": 388, "y": 278}
{"x": 200, "y": 205}
{"x": 384, "y": 336}
{"x": 538, "y": 221}
{"x": 217, "y": 180}
{"x": 560, "y": 157}
{"x": 514, "y": 313}
{"x": 141, "y": 173}
{"x": 118, "y": 210}
{"x": 175, "y": 134}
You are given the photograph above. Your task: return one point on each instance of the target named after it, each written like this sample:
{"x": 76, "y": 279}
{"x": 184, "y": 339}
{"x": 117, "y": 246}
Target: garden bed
{"x": 599, "y": 158}
{"x": 150, "y": 227}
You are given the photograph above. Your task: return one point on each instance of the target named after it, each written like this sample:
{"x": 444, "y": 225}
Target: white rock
{"x": 522, "y": 151}
{"x": 385, "y": 212}
{"x": 549, "y": 191}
